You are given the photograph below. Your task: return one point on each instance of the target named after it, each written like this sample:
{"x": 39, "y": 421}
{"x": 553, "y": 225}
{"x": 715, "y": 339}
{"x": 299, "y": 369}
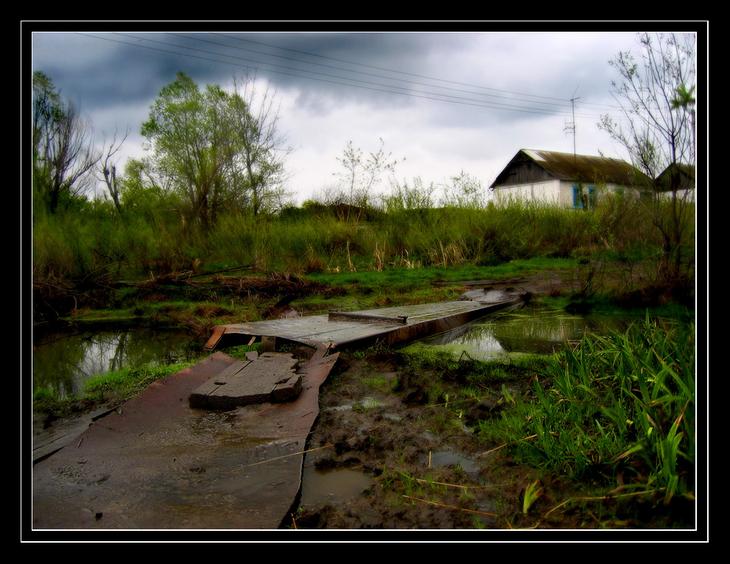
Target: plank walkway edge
{"x": 349, "y": 329}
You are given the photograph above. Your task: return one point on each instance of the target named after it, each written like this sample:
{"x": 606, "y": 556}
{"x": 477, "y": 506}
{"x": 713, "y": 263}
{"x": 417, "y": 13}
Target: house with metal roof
{"x": 565, "y": 179}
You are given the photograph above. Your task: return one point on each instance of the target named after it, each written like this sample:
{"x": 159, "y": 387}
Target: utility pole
{"x": 572, "y": 106}
{"x": 570, "y": 126}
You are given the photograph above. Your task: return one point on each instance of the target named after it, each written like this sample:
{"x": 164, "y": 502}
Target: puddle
{"x": 445, "y": 458}
{"x": 63, "y": 362}
{"x": 527, "y": 330}
{"x": 332, "y": 486}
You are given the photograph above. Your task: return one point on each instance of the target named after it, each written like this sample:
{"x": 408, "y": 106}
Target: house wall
{"x": 548, "y": 192}
{"x": 687, "y": 195}
{"x": 558, "y": 192}
{"x": 599, "y": 191}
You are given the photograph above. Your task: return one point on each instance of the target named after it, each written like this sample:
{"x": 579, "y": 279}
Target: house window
{"x": 577, "y": 196}
{"x": 592, "y": 195}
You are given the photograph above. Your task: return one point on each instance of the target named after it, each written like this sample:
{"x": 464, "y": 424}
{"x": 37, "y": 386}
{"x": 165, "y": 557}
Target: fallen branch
{"x": 594, "y": 498}
{"x": 528, "y": 438}
{"x": 287, "y": 456}
{"x": 460, "y": 486}
{"x": 446, "y": 506}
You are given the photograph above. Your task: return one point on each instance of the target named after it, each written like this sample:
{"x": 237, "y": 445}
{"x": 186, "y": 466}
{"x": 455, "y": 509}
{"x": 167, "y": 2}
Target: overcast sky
{"x": 505, "y": 91}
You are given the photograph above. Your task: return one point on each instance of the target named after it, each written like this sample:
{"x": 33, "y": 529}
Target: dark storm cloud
{"x": 124, "y": 68}
{"x": 506, "y": 90}
{"x": 110, "y": 69}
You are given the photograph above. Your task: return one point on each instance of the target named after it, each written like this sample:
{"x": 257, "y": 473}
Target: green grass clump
{"x": 616, "y": 408}
{"x": 115, "y": 386}
{"x": 126, "y": 382}
{"x": 447, "y": 361}
{"x": 239, "y": 351}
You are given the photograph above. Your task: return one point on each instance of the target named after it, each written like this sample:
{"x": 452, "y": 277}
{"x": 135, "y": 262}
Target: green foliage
{"x": 113, "y": 386}
{"x": 621, "y": 405}
{"x": 239, "y": 351}
{"x": 213, "y": 150}
{"x": 413, "y": 251}
{"x": 533, "y": 491}
{"x": 127, "y": 381}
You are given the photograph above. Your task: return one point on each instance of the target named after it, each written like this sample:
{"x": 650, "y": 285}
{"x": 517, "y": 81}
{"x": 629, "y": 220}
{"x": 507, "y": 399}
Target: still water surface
{"x": 530, "y": 329}
{"x": 63, "y": 361}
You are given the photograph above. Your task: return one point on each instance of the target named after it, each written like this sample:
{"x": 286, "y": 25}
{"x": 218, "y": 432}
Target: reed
{"x": 618, "y": 408}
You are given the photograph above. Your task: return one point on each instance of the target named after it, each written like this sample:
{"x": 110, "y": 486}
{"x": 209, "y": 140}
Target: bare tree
{"x": 108, "y": 169}
{"x": 63, "y": 153}
{"x": 258, "y": 165}
{"x": 655, "y": 98}
{"x": 361, "y": 174}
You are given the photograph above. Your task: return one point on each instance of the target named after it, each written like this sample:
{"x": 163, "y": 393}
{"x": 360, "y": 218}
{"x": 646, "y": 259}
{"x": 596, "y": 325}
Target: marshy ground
{"x": 404, "y": 439}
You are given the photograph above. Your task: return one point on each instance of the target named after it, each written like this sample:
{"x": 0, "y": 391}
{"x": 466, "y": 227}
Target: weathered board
{"x": 269, "y": 377}
{"x": 340, "y": 329}
{"x": 156, "y": 463}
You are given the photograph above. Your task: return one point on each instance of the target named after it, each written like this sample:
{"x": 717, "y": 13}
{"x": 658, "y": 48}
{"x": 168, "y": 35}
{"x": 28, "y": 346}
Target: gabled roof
{"x": 578, "y": 168}
{"x": 685, "y": 172}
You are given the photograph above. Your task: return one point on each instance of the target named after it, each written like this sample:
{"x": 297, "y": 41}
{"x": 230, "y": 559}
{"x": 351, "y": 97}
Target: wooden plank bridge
{"x": 340, "y": 329}
{"x": 164, "y": 460}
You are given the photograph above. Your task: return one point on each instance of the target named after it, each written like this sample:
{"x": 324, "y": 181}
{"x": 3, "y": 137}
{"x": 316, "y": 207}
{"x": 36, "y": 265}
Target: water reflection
{"x": 63, "y": 362}
{"x": 528, "y": 330}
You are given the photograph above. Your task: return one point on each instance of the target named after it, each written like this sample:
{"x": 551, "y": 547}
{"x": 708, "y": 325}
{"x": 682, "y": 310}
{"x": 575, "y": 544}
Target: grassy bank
{"x": 601, "y": 433}
{"x": 616, "y": 411}
{"x": 109, "y": 388}
{"x": 94, "y": 240}
{"x": 82, "y": 258}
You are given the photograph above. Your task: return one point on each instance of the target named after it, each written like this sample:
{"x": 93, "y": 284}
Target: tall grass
{"x": 92, "y": 239}
{"x": 617, "y": 408}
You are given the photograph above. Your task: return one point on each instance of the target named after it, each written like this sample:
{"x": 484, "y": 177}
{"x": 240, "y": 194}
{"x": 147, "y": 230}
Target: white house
{"x": 565, "y": 179}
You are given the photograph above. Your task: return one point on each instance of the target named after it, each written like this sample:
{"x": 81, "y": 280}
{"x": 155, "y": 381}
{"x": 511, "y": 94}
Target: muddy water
{"x": 331, "y": 486}
{"x": 64, "y": 361}
{"x": 530, "y": 329}
{"x": 447, "y": 458}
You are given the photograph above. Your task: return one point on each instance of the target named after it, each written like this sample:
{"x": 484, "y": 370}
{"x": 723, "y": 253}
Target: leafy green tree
{"x": 187, "y": 141}
{"x": 144, "y": 194}
{"x": 212, "y": 149}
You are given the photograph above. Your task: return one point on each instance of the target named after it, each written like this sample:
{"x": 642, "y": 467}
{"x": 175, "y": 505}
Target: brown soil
{"x": 378, "y": 418}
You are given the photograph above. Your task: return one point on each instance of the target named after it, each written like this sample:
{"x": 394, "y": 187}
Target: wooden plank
{"x": 218, "y": 332}
{"x": 157, "y": 464}
{"x": 269, "y": 377}
{"x": 421, "y": 320}
{"x": 357, "y": 316}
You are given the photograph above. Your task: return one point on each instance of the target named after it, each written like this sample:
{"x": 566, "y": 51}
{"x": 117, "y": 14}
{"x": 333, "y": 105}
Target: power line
{"x": 561, "y": 105}
{"x": 390, "y": 70}
{"x": 310, "y": 54}
{"x": 299, "y": 75}
{"x": 495, "y": 105}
